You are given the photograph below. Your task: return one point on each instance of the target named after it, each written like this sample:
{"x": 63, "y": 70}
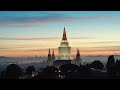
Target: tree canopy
{"x": 13, "y": 71}
{"x": 29, "y": 69}
{"x": 110, "y": 64}
{"x": 50, "y": 69}
{"x": 68, "y": 68}
{"x": 96, "y": 65}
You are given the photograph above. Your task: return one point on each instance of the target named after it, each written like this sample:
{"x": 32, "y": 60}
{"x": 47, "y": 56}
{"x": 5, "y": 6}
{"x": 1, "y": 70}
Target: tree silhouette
{"x": 118, "y": 66}
{"x": 96, "y": 65}
{"x": 3, "y": 75}
{"x": 117, "y": 61}
{"x": 110, "y": 64}
{"x": 50, "y": 69}
{"x": 111, "y": 60}
{"x": 84, "y": 68}
{"x": 13, "y": 71}
{"x": 29, "y": 69}
{"x": 68, "y": 68}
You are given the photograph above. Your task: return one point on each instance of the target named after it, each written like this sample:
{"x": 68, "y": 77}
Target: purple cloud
{"x": 47, "y": 19}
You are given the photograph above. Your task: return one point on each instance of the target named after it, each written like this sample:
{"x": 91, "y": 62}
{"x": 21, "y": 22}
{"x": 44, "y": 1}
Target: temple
{"x": 64, "y": 54}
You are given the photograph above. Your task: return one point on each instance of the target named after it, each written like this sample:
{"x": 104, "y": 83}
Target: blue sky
{"x": 18, "y": 22}
{"x": 19, "y": 28}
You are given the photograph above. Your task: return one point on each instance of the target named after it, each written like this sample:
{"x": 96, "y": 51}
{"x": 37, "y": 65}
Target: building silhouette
{"x": 64, "y": 54}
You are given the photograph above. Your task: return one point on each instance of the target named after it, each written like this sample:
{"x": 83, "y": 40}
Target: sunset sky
{"x": 30, "y": 33}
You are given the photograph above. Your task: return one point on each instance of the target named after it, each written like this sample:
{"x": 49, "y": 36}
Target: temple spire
{"x": 53, "y": 52}
{"x": 78, "y": 55}
{"x": 64, "y": 35}
{"x": 49, "y": 52}
{"x": 53, "y": 56}
{"x": 78, "y": 52}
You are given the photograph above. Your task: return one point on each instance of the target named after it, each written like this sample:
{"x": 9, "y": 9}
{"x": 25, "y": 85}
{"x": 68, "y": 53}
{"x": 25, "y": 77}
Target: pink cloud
{"x": 47, "y": 39}
{"x": 82, "y": 38}
{"x": 29, "y": 39}
{"x": 3, "y": 48}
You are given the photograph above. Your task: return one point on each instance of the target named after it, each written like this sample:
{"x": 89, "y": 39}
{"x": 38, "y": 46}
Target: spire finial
{"x": 64, "y": 34}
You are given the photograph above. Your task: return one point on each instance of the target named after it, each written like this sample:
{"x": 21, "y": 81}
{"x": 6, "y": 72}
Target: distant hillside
{"x": 3, "y": 57}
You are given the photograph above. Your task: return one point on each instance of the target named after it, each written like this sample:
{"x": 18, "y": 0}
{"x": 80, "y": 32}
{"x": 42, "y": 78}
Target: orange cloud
{"x": 44, "y": 52}
{"x": 42, "y": 38}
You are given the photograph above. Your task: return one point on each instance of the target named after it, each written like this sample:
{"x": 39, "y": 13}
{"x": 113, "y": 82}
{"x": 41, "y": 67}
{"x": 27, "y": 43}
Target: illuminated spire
{"x": 64, "y": 35}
